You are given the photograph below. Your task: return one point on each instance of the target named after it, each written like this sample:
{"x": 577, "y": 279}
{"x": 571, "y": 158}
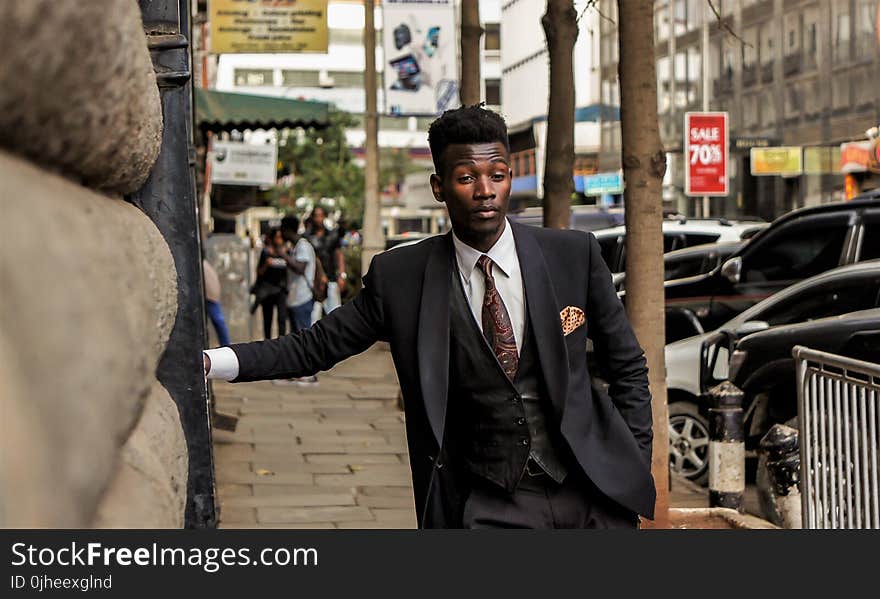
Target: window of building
{"x": 768, "y": 37}
{"x": 750, "y": 48}
{"x": 792, "y": 33}
{"x": 841, "y": 33}
{"x": 768, "y": 109}
{"x": 493, "y": 92}
{"x": 664, "y": 101}
{"x": 812, "y": 100}
{"x": 292, "y": 78}
{"x": 811, "y": 37}
{"x": 840, "y": 83}
{"x": 253, "y": 77}
{"x": 694, "y": 75}
{"x": 793, "y": 100}
{"x": 661, "y": 21}
{"x": 492, "y": 37}
{"x": 750, "y": 110}
{"x": 866, "y": 24}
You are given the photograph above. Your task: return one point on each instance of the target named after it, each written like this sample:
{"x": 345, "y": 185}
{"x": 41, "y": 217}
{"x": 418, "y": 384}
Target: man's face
{"x": 318, "y": 217}
{"x": 475, "y": 186}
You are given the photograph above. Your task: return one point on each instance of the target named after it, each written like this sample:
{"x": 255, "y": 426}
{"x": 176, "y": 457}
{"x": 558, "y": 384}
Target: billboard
{"x": 259, "y": 26}
{"x": 421, "y": 65}
{"x": 237, "y": 163}
{"x": 602, "y": 183}
{"x": 782, "y": 160}
{"x": 705, "y": 149}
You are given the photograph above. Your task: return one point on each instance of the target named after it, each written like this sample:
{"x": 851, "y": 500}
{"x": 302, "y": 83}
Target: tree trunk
{"x": 644, "y": 164}
{"x": 561, "y": 29}
{"x": 471, "y": 32}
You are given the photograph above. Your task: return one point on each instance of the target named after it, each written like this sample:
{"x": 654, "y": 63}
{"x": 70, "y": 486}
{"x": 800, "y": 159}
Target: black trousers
{"x": 541, "y": 503}
{"x": 276, "y": 303}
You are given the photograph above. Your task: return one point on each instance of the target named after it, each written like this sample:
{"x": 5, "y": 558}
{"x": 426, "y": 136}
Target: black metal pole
{"x": 169, "y": 199}
{"x": 727, "y": 477}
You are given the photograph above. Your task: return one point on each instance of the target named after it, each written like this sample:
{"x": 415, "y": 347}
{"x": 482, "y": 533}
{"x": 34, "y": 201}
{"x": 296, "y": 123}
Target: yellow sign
{"x": 784, "y": 160}
{"x": 261, "y": 26}
{"x": 822, "y": 160}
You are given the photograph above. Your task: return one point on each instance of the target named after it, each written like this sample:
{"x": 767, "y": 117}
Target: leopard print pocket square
{"x": 572, "y": 317}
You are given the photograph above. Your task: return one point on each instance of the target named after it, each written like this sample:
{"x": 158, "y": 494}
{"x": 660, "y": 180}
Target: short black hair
{"x": 291, "y": 223}
{"x": 465, "y": 125}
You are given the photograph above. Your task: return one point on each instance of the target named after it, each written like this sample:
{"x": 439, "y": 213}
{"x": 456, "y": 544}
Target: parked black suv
{"x": 798, "y": 245}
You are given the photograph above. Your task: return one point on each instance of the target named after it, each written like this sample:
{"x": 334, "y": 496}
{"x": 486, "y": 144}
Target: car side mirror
{"x": 752, "y": 326}
{"x": 731, "y": 269}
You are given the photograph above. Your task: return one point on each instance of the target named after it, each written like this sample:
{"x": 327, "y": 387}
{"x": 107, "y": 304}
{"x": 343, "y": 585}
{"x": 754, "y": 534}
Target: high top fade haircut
{"x": 465, "y": 125}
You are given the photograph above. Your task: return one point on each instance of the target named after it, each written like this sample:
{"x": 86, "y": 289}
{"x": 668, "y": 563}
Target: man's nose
{"x": 484, "y": 188}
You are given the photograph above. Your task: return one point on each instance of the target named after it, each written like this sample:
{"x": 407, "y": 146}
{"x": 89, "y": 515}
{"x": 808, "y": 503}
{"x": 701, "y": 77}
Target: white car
{"x": 677, "y": 234}
{"x": 839, "y": 291}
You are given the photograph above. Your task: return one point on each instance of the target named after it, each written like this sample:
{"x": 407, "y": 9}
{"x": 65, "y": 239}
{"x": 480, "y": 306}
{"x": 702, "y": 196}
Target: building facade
{"x": 525, "y": 93}
{"x": 800, "y": 77}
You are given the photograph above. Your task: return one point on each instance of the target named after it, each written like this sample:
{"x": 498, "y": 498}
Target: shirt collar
{"x": 503, "y": 253}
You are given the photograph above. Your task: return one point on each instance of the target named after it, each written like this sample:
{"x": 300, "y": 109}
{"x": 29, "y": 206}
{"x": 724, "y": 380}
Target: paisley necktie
{"x": 496, "y": 322}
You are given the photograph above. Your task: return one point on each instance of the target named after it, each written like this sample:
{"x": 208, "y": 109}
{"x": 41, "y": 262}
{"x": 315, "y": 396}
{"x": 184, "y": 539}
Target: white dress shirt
{"x": 508, "y": 279}
{"x": 508, "y": 282}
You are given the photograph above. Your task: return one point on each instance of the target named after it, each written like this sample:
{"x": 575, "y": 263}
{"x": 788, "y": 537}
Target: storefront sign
{"x": 602, "y": 183}
{"x": 259, "y": 26}
{"x": 421, "y": 64}
{"x": 782, "y": 160}
{"x": 855, "y": 156}
{"x": 822, "y": 160}
{"x": 705, "y": 148}
{"x": 236, "y": 163}
{"x": 747, "y": 143}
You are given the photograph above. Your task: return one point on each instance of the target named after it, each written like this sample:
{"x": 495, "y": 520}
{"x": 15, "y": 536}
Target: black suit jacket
{"x": 405, "y": 301}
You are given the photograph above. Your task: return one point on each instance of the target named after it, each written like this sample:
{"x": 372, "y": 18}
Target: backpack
{"x": 319, "y": 285}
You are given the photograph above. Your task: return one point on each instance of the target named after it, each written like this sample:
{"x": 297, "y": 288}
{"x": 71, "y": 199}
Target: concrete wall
{"x": 88, "y": 437}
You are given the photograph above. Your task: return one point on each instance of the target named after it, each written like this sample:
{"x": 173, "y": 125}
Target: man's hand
{"x": 340, "y": 282}
{"x": 207, "y": 363}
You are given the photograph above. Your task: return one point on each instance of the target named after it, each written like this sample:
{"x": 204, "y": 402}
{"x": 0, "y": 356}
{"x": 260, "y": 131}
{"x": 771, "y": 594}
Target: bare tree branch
{"x": 725, "y": 27}
{"x": 594, "y": 4}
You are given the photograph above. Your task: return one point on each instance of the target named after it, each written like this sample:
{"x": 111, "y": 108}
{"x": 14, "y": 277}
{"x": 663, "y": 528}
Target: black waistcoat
{"x": 497, "y": 423}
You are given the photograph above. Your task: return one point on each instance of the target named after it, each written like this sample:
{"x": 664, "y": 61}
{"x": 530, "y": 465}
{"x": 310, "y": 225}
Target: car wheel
{"x": 688, "y": 442}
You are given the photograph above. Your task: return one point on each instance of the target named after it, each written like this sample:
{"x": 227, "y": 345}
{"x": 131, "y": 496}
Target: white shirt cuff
{"x": 224, "y": 363}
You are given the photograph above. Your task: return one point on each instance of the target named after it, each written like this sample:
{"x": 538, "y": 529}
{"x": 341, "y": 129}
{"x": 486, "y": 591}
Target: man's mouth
{"x": 485, "y": 211}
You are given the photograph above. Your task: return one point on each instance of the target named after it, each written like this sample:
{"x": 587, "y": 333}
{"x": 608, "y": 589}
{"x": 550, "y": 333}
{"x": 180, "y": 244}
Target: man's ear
{"x": 437, "y": 187}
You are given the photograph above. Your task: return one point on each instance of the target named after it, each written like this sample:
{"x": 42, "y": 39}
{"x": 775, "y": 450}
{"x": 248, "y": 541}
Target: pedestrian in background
{"x": 329, "y": 252}
{"x": 212, "y": 302}
{"x": 301, "y": 262}
{"x": 271, "y": 286}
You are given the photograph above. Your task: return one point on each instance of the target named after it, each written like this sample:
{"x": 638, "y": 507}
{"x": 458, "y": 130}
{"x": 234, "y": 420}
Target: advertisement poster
{"x": 421, "y": 70}
{"x": 705, "y": 148}
{"x": 237, "y": 163}
{"x": 259, "y": 26}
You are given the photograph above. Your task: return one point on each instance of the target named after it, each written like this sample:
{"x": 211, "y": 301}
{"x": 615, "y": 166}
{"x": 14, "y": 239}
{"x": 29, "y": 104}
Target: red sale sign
{"x": 705, "y": 150}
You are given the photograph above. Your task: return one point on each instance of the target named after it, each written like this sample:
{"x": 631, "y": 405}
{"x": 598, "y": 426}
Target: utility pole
{"x": 373, "y": 238}
{"x": 705, "y": 83}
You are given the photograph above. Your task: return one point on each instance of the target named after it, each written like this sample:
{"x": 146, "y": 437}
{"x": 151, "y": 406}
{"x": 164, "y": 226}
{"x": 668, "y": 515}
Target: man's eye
{"x": 499, "y": 176}
{"x": 465, "y": 179}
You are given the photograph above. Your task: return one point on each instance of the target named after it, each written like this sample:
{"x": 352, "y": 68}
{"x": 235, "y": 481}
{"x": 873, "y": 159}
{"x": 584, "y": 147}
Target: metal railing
{"x": 839, "y": 421}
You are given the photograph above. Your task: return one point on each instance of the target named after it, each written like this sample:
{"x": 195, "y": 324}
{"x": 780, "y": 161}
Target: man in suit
{"x": 488, "y": 328}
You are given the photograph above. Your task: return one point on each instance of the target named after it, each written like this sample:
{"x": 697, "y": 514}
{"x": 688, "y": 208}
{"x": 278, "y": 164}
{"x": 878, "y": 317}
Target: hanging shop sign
{"x": 236, "y": 163}
{"x": 421, "y": 68}
{"x": 705, "y": 147}
{"x": 822, "y": 160}
{"x": 784, "y": 161}
{"x": 602, "y": 183}
{"x": 859, "y": 157}
{"x": 261, "y": 26}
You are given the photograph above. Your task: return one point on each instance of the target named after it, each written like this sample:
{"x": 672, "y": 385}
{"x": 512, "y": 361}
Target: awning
{"x": 223, "y": 111}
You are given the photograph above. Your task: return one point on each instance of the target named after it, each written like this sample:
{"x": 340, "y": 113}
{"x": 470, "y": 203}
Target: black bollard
{"x": 727, "y": 456}
{"x": 780, "y": 450}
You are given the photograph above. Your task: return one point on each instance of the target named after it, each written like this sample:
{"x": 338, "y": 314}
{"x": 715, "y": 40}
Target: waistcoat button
{"x": 520, "y": 420}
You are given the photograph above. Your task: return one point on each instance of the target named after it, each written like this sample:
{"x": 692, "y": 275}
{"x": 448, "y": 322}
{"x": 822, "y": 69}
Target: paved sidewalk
{"x": 329, "y": 456}
{"x": 326, "y": 456}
